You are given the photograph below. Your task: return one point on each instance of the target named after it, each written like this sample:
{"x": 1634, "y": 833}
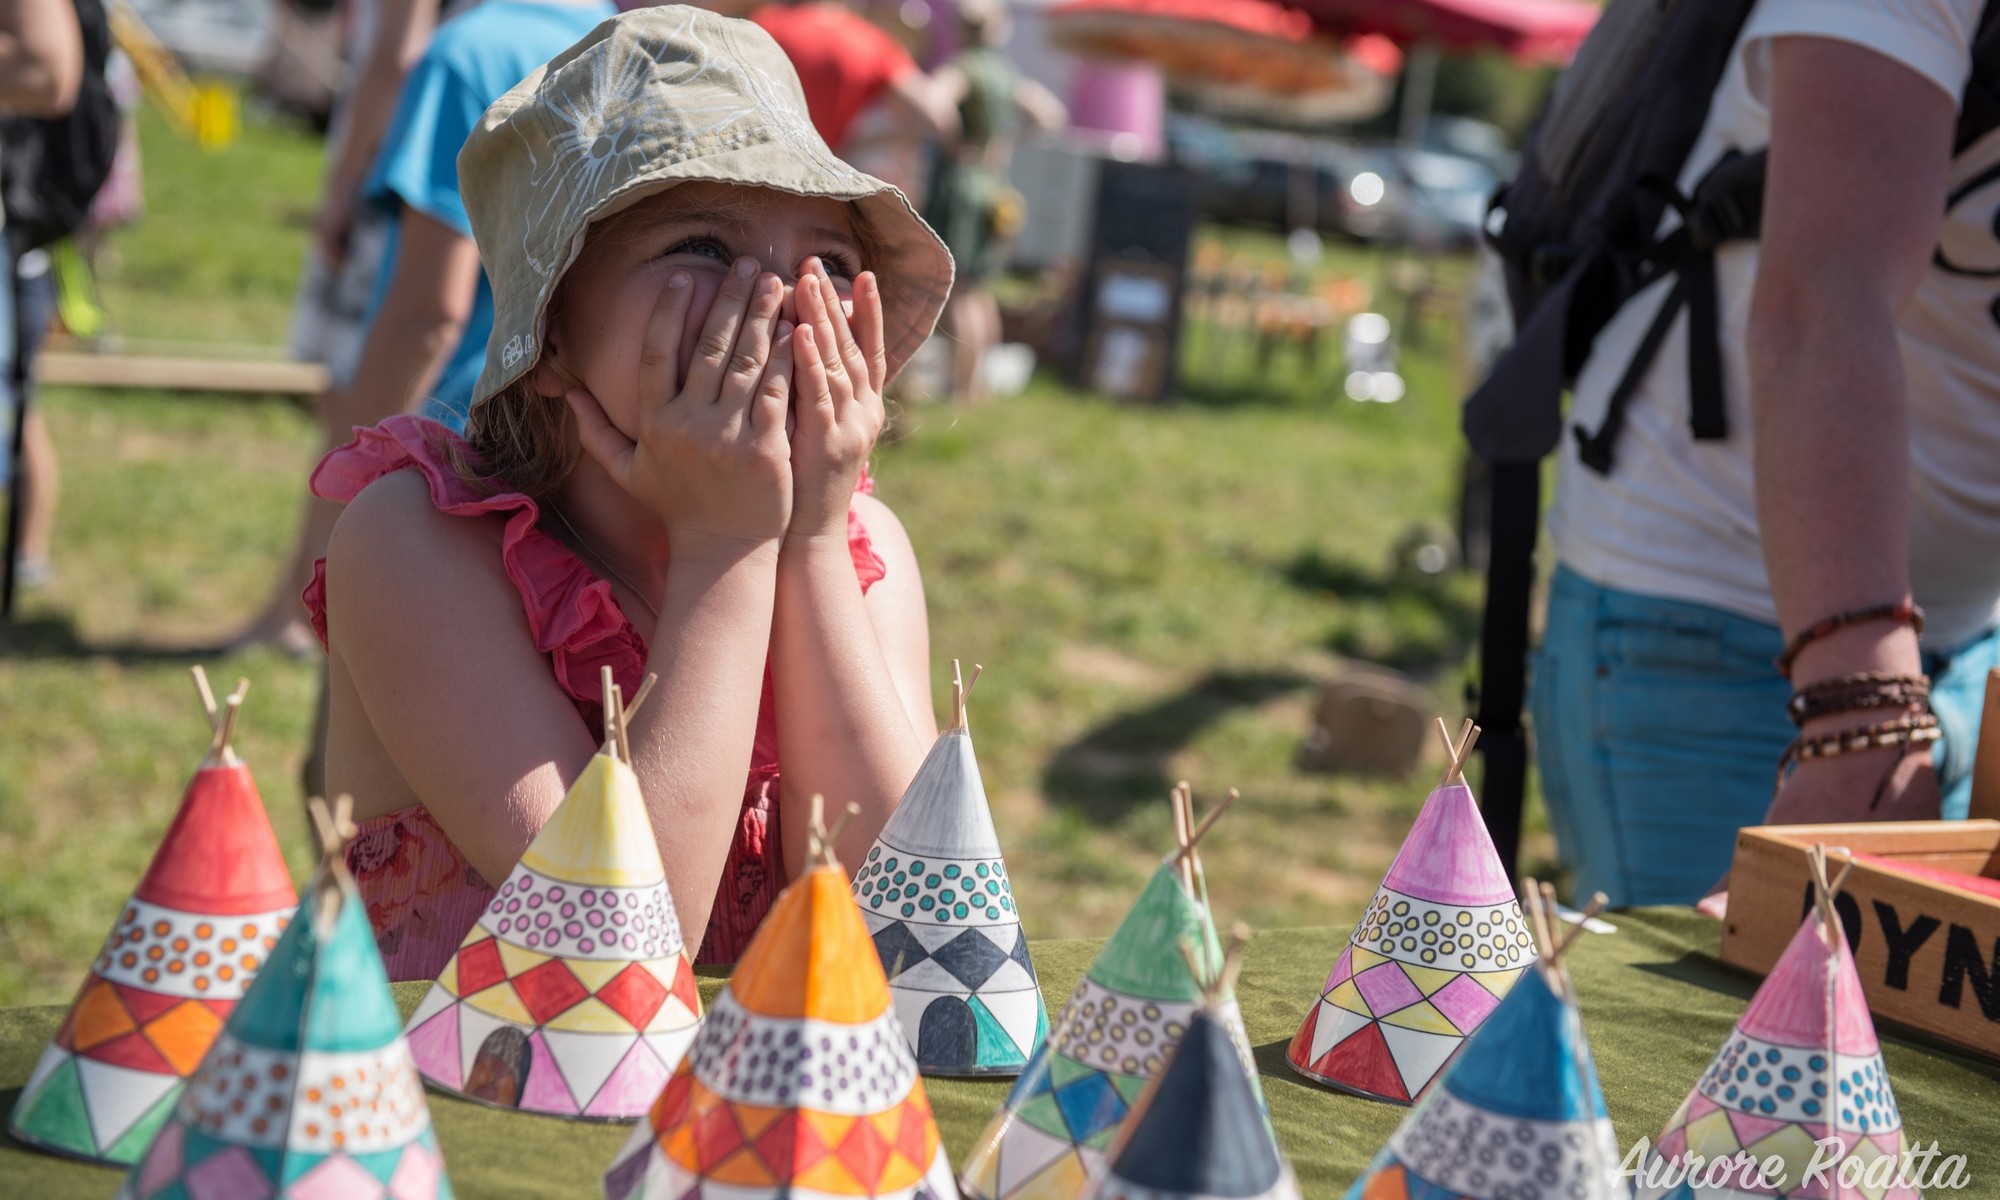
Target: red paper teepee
{"x": 185, "y": 947}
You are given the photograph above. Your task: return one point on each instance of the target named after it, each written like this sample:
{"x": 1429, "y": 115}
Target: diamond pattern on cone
{"x": 733, "y": 1117}
{"x": 549, "y": 990}
{"x": 971, "y": 957}
{"x": 634, "y": 994}
{"x": 183, "y": 1034}
{"x": 479, "y": 967}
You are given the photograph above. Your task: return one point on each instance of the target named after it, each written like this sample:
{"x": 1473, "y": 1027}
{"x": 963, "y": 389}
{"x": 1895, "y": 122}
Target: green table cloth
{"x": 1656, "y": 1005}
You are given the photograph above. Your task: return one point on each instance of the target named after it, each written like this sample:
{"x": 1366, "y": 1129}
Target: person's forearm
{"x": 1832, "y": 466}
{"x": 406, "y": 350}
{"x": 694, "y": 739}
{"x": 376, "y": 89}
{"x": 843, "y": 731}
{"x": 39, "y": 74}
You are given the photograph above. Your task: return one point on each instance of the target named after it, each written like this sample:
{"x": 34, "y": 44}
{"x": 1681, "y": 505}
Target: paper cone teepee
{"x": 934, "y": 893}
{"x": 1439, "y": 946}
{"x": 309, "y": 1092}
{"x": 1198, "y": 1130}
{"x": 572, "y": 995}
{"x": 1112, "y": 1036}
{"x": 186, "y": 944}
{"x": 800, "y": 1083}
{"x": 1801, "y": 1066}
{"x": 1518, "y": 1113}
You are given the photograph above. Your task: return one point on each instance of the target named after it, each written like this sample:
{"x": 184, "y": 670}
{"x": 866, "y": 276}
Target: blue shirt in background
{"x": 471, "y": 62}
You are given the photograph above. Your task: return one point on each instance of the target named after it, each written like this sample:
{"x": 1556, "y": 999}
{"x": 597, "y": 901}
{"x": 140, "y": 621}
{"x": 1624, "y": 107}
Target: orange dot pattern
{"x": 185, "y": 954}
{"x": 360, "y": 1102}
{"x": 241, "y": 1093}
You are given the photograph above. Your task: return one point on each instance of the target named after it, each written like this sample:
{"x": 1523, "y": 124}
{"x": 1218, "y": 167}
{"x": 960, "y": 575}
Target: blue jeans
{"x": 1658, "y": 728}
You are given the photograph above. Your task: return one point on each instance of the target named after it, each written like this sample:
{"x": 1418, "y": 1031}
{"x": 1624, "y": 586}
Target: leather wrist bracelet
{"x": 1904, "y": 612}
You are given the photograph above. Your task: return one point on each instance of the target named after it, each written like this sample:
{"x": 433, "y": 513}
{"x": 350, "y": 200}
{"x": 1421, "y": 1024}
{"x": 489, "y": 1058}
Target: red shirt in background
{"x": 843, "y": 61}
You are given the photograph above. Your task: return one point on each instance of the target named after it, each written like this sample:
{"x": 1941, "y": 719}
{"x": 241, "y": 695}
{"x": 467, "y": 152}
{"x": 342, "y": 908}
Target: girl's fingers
{"x": 753, "y": 345}
{"x": 843, "y": 344}
{"x": 774, "y": 390}
{"x": 816, "y": 305}
{"x": 601, "y": 439}
{"x": 718, "y": 332}
{"x": 660, "y": 354}
{"x": 815, "y": 390}
{"x": 868, "y": 328}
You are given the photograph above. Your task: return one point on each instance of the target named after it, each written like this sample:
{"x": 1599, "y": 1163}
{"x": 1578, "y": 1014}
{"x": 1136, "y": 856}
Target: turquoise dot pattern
{"x": 966, "y": 891}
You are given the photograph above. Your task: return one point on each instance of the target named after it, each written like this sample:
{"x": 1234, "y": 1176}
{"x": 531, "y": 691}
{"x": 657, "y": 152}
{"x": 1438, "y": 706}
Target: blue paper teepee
{"x": 1518, "y": 1111}
{"x": 309, "y": 1092}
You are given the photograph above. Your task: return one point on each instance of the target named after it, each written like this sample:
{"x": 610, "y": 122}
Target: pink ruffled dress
{"x": 422, "y": 895}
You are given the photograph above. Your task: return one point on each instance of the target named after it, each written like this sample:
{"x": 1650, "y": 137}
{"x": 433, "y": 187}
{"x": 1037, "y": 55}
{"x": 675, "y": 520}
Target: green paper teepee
{"x": 1117, "y": 1030}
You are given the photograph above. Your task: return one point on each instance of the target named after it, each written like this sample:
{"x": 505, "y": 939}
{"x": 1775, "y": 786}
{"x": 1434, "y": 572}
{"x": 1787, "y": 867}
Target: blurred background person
{"x": 846, "y": 64}
{"x": 969, "y": 201}
{"x": 425, "y": 331}
{"x": 345, "y": 257}
{"x": 41, "y": 69}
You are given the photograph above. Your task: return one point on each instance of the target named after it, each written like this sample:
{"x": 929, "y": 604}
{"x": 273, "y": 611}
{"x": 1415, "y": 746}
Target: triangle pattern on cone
{"x": 1806, "y": 1034}
{"x": 942, "y": 918}
{"x": 198, "y": 926}
{"x": 1139, "y": 982}
{"x": 767, "y": 1100}
{"x": 1441, "y": 941}
{"x": 562, "y": 974}
{"x": 309, "y": 1078}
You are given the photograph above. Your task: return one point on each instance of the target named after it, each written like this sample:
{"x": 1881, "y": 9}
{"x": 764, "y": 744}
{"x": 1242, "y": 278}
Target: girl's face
{"x": 697, "y": 228}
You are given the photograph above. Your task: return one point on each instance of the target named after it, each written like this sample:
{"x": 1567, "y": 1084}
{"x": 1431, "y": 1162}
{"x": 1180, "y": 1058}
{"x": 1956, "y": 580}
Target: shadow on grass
{"x": 1405, "y": 621}
{"x": 1123, "y": 762}
{"x": 45, "y": 637}
{"x": 1705, "y": 972}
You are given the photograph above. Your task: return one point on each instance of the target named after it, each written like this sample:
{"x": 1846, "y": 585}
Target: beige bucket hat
{"x": 649, "y": 99}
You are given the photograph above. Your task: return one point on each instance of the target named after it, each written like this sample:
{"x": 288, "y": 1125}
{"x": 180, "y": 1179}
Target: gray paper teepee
{"x": 934, "y": 893}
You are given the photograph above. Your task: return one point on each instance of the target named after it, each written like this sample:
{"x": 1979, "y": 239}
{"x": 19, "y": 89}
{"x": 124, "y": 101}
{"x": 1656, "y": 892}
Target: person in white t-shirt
{"x": 1860, "y": 348}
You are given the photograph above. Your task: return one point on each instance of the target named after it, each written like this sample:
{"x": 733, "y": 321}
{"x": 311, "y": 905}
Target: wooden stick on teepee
{"x": 639, "y": 699}
{"x": 202, "y": 690}
{"x": 224, "y": 725}
{"x": 1185, "y": 855}
{"x": 961, "y": 691}
{"x": 1224, "y": 982}
{"x": 1182, "y": 800}
{"x": 1824, "y": 890}
{"x": 1456, "y": 750}
{"x": 819, "y": 839}
{"x": 610, "y": 690}
{"x": 335, "y": 827}
{"x": 1597, "y": 902}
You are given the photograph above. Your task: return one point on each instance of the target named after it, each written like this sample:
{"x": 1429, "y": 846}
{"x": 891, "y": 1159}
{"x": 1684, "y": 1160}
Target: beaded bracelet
{"x": 1909, "y": 732}
{"x": 1903, "y": 613}
{"x": 1853, "y": 693}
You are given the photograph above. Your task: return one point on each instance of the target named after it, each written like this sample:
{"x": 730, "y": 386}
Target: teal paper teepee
{"x": 309, "y": 1093}
{"x": 1198, "y": 1130}
{"x": 1518, "y": 1111}
{"x": 934, "y": 893}
{"x": 1113, "y": 1035}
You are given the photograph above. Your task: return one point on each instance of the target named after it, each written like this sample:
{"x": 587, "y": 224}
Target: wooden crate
{"x": 1929, "y": 953}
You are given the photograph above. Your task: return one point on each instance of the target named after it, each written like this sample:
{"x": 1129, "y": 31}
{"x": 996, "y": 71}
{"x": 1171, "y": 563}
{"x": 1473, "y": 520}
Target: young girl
{"x": 664, "y": 470}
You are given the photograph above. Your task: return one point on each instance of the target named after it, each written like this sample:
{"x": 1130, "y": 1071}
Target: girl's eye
{"x": 703, "y": 247}
{"x": 840, "y": 264}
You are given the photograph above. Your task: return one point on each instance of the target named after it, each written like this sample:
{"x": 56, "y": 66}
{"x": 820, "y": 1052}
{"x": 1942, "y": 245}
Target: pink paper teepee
{"x": 1802, "y": 1065}
{"x": 1439, "y": 946}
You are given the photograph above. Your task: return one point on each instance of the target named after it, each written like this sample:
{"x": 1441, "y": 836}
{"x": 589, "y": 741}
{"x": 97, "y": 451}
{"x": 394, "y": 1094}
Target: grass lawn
{"x": 1154, "y": 592}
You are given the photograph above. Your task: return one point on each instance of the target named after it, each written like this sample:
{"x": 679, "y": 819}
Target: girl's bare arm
{"x": 427, "y": 625}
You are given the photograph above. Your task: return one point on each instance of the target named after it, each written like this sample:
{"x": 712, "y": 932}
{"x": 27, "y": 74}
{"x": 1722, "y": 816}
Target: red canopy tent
{"x": 1530, "y": 31}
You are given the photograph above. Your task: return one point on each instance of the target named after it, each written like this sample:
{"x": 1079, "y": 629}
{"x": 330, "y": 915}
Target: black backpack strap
{"x": 1727, "y": 206}
{"x": 1979, "y": 107}
{"x": 1516, "y": 512}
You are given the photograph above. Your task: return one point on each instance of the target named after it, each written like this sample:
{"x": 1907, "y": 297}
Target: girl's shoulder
{"x": 417, "y": 538}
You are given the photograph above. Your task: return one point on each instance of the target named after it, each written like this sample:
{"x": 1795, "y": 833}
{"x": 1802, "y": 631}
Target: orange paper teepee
{"x": 800, "y": 1082}
{"x": 185, "y": 948}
